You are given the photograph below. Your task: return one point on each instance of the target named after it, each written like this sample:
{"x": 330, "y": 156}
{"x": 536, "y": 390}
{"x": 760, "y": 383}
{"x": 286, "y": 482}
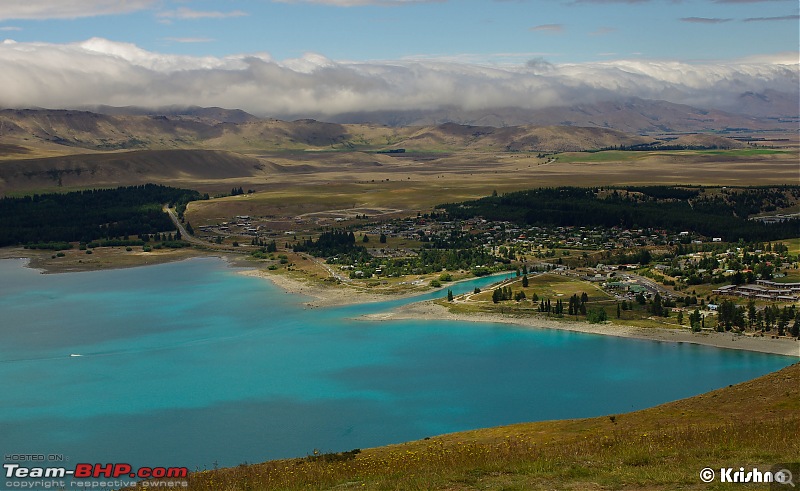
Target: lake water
{"x": 190, "y": 364}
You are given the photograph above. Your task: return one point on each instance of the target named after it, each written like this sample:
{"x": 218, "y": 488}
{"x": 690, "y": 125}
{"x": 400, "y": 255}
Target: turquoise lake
{"x": 190, "y": 364}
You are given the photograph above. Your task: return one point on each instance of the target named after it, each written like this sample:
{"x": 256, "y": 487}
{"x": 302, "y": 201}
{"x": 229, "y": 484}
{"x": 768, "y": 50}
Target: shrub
{"x": 595, "y": 316}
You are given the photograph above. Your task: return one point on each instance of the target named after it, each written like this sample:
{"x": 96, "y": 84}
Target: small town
{"x": 699, "y": 281}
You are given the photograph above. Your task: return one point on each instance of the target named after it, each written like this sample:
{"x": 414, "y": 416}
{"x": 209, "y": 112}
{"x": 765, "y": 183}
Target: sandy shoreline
{"x": 432, "y": 311}
{"x": 428, "y": 310}
{"x": 323, "y": 296}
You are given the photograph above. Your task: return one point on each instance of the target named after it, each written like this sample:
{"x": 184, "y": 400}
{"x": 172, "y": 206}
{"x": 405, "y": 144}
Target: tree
{"x": 695, "y": 319}
{"x": 783, "y": 321}
{"x": 657, "y": 308}
{"x": 449, "y": 295}
{"x": 525, "y": 281}
{"x": 795, "y": 329}
{"x": 365, "y": 239}
{"x": 619, "y": 313}
{"x": 680, "y": 317}
{"x": 496, "y": 295}
{"x": 751, "y": 314}
{"x": 383, "y": 238}
{"x": 596, "y": 316}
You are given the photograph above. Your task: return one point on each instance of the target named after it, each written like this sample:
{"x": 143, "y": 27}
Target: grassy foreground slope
{"x": 662, "y": 448}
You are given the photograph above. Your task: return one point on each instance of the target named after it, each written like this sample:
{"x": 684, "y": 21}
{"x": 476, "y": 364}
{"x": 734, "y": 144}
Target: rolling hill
{"x": 99, "y": 170}
{"x": 57, "y": 149}
{"x": 73, "y": 130}
{"x": 632, "y": 115}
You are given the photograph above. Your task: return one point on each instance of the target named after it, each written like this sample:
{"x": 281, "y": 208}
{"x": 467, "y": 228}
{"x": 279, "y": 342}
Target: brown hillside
{"x": 771, "y": 110}
{"x": 708, "y": 141}
{"x": 128, "y": 168}
{"x": 276, "y": 135}
{"x": 451, "y": 136}
{"x": 98, "y": 131}
{"x": 101, "y": 132}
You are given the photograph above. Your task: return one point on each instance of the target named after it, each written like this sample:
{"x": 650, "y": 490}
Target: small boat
{"x": 73, "y": 354}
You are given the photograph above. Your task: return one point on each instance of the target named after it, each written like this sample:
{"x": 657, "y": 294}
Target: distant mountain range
{"x": 768, "y": 111}
{"x": 579, "y": 127}
{"x": 755, "y": 111}
{"x": 71, "y": 131}
{"x": 41, "y": 148}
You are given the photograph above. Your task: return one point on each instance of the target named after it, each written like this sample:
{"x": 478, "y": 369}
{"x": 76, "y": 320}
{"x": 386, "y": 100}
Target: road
{"x": 184, "y": 234}
{"x": 652, "y": 286}
{"x": 326, "y": 267}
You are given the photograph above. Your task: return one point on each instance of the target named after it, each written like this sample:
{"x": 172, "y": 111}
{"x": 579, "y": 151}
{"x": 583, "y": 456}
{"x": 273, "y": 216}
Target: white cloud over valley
{"x": 99, "y": 71}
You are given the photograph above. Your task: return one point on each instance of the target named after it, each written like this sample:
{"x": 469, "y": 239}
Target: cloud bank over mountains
{"x": 99, "y": 71}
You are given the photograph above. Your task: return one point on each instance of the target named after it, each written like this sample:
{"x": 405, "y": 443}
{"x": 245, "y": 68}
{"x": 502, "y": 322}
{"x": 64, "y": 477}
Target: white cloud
{"x": 705, "y": 20}
{"x": 68, "y": 9}
{"x": 602, "y": 31}
{"x": 187, "y": 13}
{"x": 189, "y": 40}
{"x": 548, "y": 28}
{"x": 358, "y": 3}
{"x": 99, "y": 71}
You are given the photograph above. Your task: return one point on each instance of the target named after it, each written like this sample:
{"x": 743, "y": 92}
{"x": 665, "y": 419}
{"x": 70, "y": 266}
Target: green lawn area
{"x": 625, "y": 156}
{"x": 605, "y": 156}
{"x": 739, "y": 152}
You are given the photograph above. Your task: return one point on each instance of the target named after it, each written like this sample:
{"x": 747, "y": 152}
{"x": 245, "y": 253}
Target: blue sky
{"x": 329, "y": 56}
{"x": 476, "y": 30}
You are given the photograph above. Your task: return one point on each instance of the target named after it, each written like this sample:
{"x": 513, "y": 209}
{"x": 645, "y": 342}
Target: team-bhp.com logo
{"x": 89, "y": 471}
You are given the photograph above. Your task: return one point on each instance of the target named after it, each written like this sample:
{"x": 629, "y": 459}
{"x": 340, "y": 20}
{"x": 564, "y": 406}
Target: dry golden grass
{"x": 101, "y": 258}
{"x": 417, "y": 183}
